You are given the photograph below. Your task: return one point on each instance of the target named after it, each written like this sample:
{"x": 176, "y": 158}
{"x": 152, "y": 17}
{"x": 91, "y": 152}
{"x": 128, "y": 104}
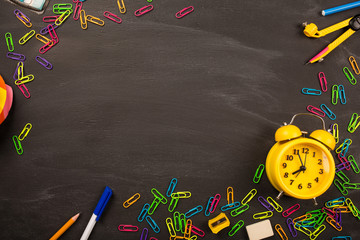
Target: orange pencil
{"x": 65, "y": 227}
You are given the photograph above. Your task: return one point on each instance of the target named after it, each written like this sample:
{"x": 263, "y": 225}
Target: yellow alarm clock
{"x": 299, "y": 166}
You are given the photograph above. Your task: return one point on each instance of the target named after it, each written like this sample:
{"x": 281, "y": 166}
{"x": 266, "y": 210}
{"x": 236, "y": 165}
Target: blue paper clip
{"x": 310, "y": 91}
{"x": 193, "y": 211}
{"x": 208, "y": 205}
{"x": 153, "y": 224}
{"x": 230, "y": 206}
{"x": 342, "y": 94}
{"x": 342, "y": 238}
{"x": 345, "y": 147}
{"x": 171, "y": 187}
{"x": 328, "y": 112}
{"x": 143, "y": 212}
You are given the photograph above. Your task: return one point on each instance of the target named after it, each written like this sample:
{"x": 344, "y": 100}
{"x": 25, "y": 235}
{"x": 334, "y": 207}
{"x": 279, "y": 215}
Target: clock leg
{"x": 280, "y": 195}
{"x": 315, "y": 202}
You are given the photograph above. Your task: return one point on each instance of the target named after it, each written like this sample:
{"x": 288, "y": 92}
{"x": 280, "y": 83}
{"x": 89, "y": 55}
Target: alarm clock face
{"x": 306, "y": 169}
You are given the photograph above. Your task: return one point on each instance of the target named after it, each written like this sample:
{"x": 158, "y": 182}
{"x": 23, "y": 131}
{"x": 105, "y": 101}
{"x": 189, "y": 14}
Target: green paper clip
{"x": 9, "y": 42}
{"x": 334, "y": 94}
{"x": 354, "y": 123}
{"x": 258, "y": 173}
{"x": 354, "y": 165}
{"x": 349, "y": 76}
{"x": 236, "y": 228}
{"x": 17, "y": 145}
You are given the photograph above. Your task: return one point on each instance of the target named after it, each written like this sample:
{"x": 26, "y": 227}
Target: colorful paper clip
{"x": 131, "y": 200}
{"x": 45, "y": 30}
{"x": 187, "y": 232}
{"x": 95, "y": 20}
{"x": 52, "y": 33}
{"x": 214, "y": 203}
{"x": 291, "y": 227}
{"x": 16, "y": 56}
{"x": 60, "y": 8}
{"x": 45, "y": 63}
{"x": 23, "y": 18}
{"x": 128, "y": 228}
{"x": 25, "y": 79}
{"x": 342, "y": 94}
{"x": 345, "y": 147}
{"x": 265, "y": 203}
{"x": 77, "y": 10}
{"x": 354, "y": 65}
{"x": 197, "y": 231}
{"x": 9, "y": 42}
{"x": 83, "y": 22}
{"x": 353, "y": 163}
{"x": 343, "y": 177}
{"x": 342, "y": 238}
{"x": 173, "y": 204}
{"x": 349, "y": 76}
{"x": 121, "y": 6}
{"x": 230, "y": 206}
{"x": 249, "y": 196}
{"x": 153, "y": 206}
{"x": 258, "y": 173}
{"x": 236, "y": 228}
{"x": 354, "y": 123}
{"x": 50, "y": 19}
{"x": 263, "y": 215}
{"x": 170, "y": 227}
{"x": 281, "y": 232}
{"x": 143, "y": 10}
{"x": 158, "y": 195}
{"x": 182, "y": 222}
{"x": 62, "y": 17}
{"x": 239, "y": 210}
{"x": 323, "y": 82}
{"x": 153, "y": 224}
{"x": 311, "y": 91}
{"x": 315, "y": 110}
{"x": 47, "y": 47}
{"x": 182, "y": 13}
{"x": 143, "y": 212}
{"x": 177, "y": 223}
{"x": 208, "y": 205}
{"x": 17, "y": 145}
{"x": 317, "y": 232}
{"x": 337, "y": 202}
{"x": 144, "y": 234}
{"x": 42, "y": 38}
{"x": 328, "y": 112}
{"x": 273, "y": 203}
{"x": 25, "y": 132}
{"x": 26, "y": 37}
{"x": 291, "y": 210}
{"x": 334, "y": 94}
{"x": 24, "y": 90}
{"x": 340, "y": 186}
{"x": 185, "y": 194}
{"x": 112, "y": 17}
{"x": 193, "y": 211}
{"x": 230, "y": 195}
{"x": 335, "y": 132}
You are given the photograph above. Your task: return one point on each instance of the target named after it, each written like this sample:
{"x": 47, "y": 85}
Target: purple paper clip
{"x": 323, "y": 82}
{"x": 342, "y": 166}
{"x": 143, "y": 10}
{"x": 24, "y": 90}
{"x": 182, "y": 13}
{"x": 45, "y": 63}
{"x": 338, "y": 215}
{"x": 18, "y": 68}
{"x": 144, "y": 234}
{"x": 50, "y": 19}
{"x": 265, "y": 203}
{"x": 77, "y": 10}
{"x": 112, "y": 17}
{"x": 291, "y": 227}
{"x": 344, "y": 161}
{"x": 291, "y": 210}
{"x": 315, "y": 110}
{"x": 45, "y": 30}
{"x": 215, "y": 202}
{"x": 23, "y": 18}
{"x": 16, "y": 56}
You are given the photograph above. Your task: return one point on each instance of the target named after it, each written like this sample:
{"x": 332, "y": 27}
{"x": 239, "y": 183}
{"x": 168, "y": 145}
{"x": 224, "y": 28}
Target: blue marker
{"x": 340, "y": 8}
{"x": 97, "y": 213}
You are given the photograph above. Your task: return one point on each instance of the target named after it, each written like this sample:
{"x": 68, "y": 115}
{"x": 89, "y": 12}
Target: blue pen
{"x": 340, "y": 8}
{"x": 97, "y": 213}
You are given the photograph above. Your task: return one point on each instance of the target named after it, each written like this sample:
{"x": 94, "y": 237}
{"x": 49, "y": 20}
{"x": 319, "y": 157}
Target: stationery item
{"x": 131, "y": 200}
{"x": 354, "y": 65}
{"x": 328, "y": 112}
{"x": 65, "y": 227}
{"x": 218, "y": 223}
{"x": 105, "y": 197}
{"x": 182, "y": 13}
{"x": 25, "y": 131}
{"x": 83, "y": 22}
{"x": 340, "y": 8}
{"x": 9, "y": 41}
{"x": 128, "y": 228}
{"x": 17, "y": 145}
{"x": 45, "y": 63}
{"x": 143, "y": 10}
{"x": 230, "y": 195}
{"x": 95, "y": 20}
{"x": 311, "y": 30}
{"x": 323, "y": 82}
{"x": 77, "y": 10}
{"x": 16, "y": 56}
{"x": 171, "y": 187}
{"x": 334, "y": 94}
{"x": 311, "y": 91}
{"x": 26, "y": 37}
{"x": 258, "y": 173}
{"x": 23, "y": 18}
{"x": 281, "y": 232}
{"x": 121, "y": 5}
{"x": 236, "y": 228}
{"x": 260, "y": 230}
{"x": 113, "y": 18}
{"x": 349, "y": 76}
{"x": 35, "y": 5}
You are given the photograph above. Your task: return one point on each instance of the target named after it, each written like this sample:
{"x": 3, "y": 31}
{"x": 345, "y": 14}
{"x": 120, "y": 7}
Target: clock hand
{"x": 305, "y": 159}
{"x": 301, "y": 160}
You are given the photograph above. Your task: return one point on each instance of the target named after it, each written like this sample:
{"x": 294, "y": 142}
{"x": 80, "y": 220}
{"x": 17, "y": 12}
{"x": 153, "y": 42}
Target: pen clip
{"x": 105, "y": 197}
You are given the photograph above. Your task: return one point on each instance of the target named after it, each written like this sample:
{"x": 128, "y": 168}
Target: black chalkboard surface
{"x": 133, "y": 105}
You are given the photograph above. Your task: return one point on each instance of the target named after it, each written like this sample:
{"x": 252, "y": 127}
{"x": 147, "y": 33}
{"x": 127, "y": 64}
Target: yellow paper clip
{"x": 23, "y": 18}
{"x": 62, "y": 17}
{"x": 20, "y": 70}
{"x": 185, "y": 194}
{"x": 281, "y": 232}
{"x": 349, "y": 142}
{"x": 230, "y": 195}
{"x": 263, "y": 215}
{"x": 26, "y": 37}
{"x": 317, "y": 232}
{"x": 95, "y": 20}
{"x": 25, "y": 131}
{"x": 303, "y": 229}
{"x": 42, "y": 38}
{"x": 354, "y": 123}
{"x": 170, "y": 226}
{"x": 83, "y": 22}
{"x": 249, "y": 196}
{"x": 121, "y": 6}
{"x": 335, "y": 132}
{"x": 25, "y": 79}
{"x": 218, "y": 223}
{"x": 131, "y": 200}
{"x": 352, "y": 207}
{"x": 272, "y": 202}
{"x": 354, "y": 65}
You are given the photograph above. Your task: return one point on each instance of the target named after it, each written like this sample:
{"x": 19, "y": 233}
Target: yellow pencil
{"x": 65, "y": 227}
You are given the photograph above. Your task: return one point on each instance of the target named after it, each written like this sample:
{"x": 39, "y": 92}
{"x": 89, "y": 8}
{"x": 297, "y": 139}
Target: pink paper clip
{"x": 344, "y": 161}
{"x": 197, "y": 231}
{"x": 143, "y": 10}
{"x": 24, "y": 90}
{"x": 53, "y": 34}
{"x": 47, "y": 47}
{"x": 182, "y": 13}
{"x": 128, "y": 228}
{"x": 214, "y": 203}
{"x": 291, "y": 210}
{"x": 323, "y": 82}
{"x": 77, "y": 10}
{"x": 112, "y": 17}
{"x": 329, "y": 212}
{"x": 152, "y": 238}
{"x": 48, "y": 19}
{"x": 315, "y": 110}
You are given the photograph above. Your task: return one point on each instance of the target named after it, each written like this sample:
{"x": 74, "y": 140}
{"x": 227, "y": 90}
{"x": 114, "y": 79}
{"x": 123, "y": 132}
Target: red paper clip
{"x": 291, "y": 210}
{"x": 143, "y": 10}
{"x": 48, "y": 19}
{"x": 53, "y": 34}
{"x": 77, "y": 10}
{"x": 128, "y": 228}
{"x": 315, "y": 110}
{"x": 184, "y": 12}
{"x": 344, "y": 161}
{"x": 112, "y": 17}
{"x": 24, "y": 90}
{"x": 323, "y": 82}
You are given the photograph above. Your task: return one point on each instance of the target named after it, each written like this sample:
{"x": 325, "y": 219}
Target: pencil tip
{"x": 76, "y": 216}
{"x": 307, "y": 63}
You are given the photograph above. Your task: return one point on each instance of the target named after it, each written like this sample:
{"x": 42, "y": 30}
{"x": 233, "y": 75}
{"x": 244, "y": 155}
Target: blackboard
{"x": 133, "y": 105}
